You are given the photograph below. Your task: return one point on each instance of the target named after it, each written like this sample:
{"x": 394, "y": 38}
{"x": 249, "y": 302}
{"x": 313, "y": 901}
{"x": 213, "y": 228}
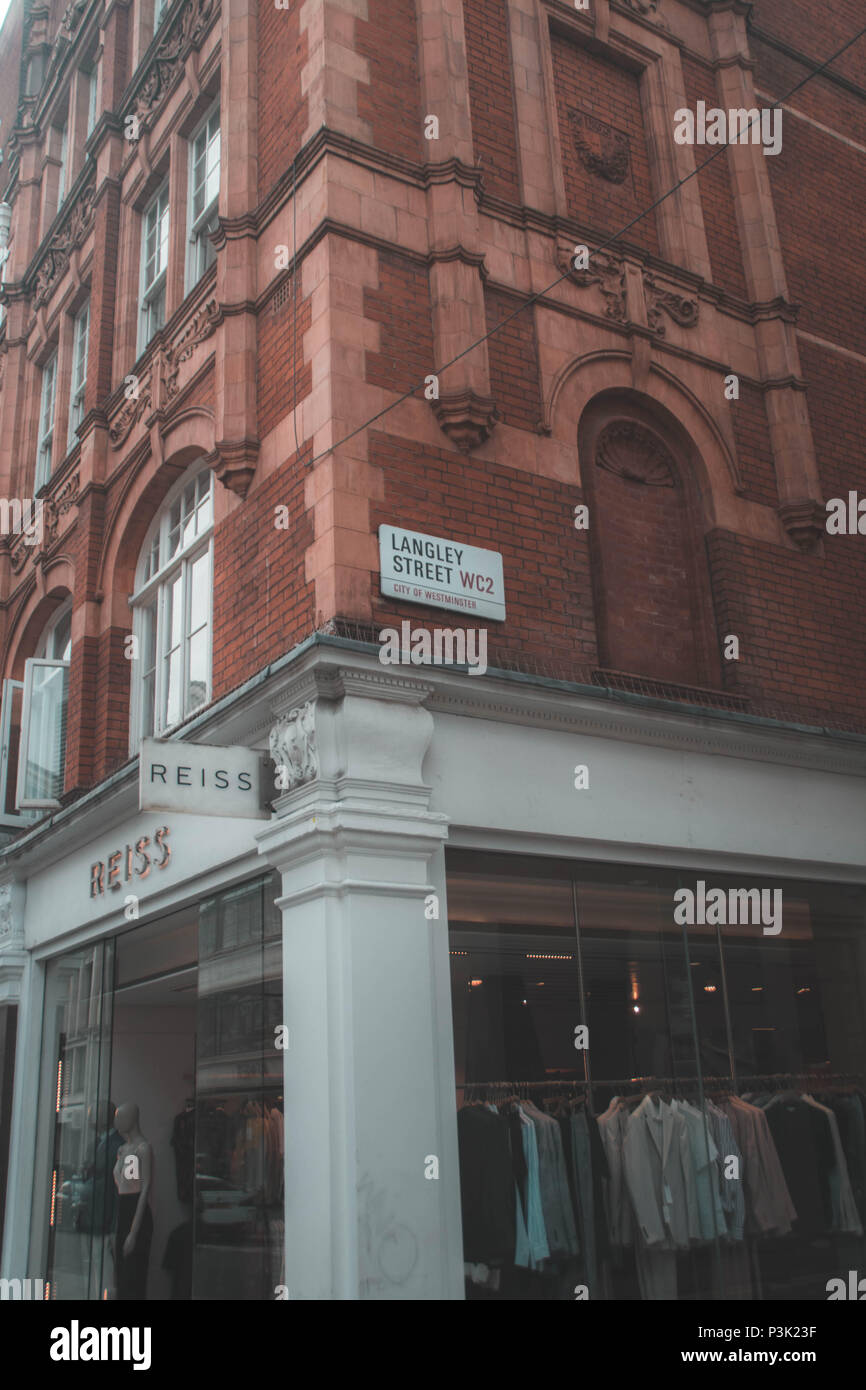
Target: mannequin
{"x": 133, "y": 1177}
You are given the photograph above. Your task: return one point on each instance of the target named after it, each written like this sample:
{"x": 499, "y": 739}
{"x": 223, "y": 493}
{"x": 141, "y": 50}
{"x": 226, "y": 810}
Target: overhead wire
{"x": 541, "y": 294}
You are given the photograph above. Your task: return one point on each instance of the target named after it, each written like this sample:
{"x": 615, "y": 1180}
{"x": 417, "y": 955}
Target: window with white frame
{"x": 154, "y": 265}
{"x": 64, "y": 159}
{"x": 45, "y": 441}
{"x": 204, "y": 187}
{"x": 80, "y": 336}
{"x": 172, "y": 610}
{"x": 92, "y": 92}
{"x": 33, "y": 725}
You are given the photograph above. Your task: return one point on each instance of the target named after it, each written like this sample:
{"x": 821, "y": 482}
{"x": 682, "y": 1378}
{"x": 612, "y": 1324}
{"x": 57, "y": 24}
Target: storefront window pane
{"x": 73, "y": 1208}
{"x": 238, "y": 1230}
{"x": 183, "y": 1030}
{"x": 725, "y": 1029}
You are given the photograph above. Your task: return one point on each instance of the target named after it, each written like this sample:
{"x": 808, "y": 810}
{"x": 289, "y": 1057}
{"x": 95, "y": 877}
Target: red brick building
{"x": 281, "y": 275}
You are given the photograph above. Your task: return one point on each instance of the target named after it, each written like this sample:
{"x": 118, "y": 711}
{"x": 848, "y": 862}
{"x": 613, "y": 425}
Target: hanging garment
{"x": 582, "y": 1167}
{"x": 730, "y": 1174}
{"x": 705, "y": 1215}
{"x": 532, "y": 1248}
{"x": 655, "y": 1157}
{"x": 805, "y": 1148}
{"x": 486, "y": 1187}
{"x": 845, "y": 1214}
{"x": 848, "y": 1110}
{"x": 769, "y": 1208}
{"x": 555, "y": 1196}
{"x": 612, "y": 1129}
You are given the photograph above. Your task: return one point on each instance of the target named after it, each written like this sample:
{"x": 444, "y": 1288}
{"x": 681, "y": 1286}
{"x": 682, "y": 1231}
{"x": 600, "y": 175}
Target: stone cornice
{"x": 329, "y": 667}
{"x": 826, "y": 74}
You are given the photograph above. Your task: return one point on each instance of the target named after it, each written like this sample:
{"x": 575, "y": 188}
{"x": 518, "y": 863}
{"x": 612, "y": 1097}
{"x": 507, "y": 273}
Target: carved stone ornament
{"x": 603, "y": 150}
{"x": 21, "y": 546}
{"x": 69, "y": 235}
{"x": 200, "y": 326}
{"x": 663, "y": 300}
{"x": 131, "y": 411}
{"x": 466, "y": 418}
{"x": 606, "y": 271}
{"x": 292, "y": 746}
{"x": 5, "y": 910}
{"x": 648, "y": 8}
{"x": 65, "y": 498}
{"x": 632, "y": 452}
{"x": 185, "y": 33}
{"x": 804, "y": 522}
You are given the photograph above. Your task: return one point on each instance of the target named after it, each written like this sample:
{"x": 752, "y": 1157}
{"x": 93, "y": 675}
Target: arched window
{"x": 650, "y": 580}
{"x": 172, "y": 607}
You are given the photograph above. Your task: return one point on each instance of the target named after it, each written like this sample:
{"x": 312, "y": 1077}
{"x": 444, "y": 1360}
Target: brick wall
{"x": 648, "y": 580}
{"x": 798, "y": 621}
{"x": 528, "y": 519}
{"x": 103, "y": 292}
{"x": 513, "y": 357}
{"x": 816, "y": 35}
{"x": 491, "y": 97}
{"x": 111, "y": 703}
{"x": 88, "y": 685}
{"x": 401, "y": 305}
{"x": 281, "y": 326}
{"x": 754, "y": 450}
{"x": 11, "y": 36}
{"x": 824, "y": 262}
{"x": 595, "y": 87}
{"x": 714, "y": 182}
{"x": 283, "y": 108}
{"x": 391, "y": 101}
{"x": 262, "y": 604}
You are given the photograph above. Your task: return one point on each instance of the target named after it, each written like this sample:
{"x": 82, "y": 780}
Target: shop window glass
{"x": 726, "y": 1032}
{"x": 175, "y": 1017}
{"x": 73, "y": 1204}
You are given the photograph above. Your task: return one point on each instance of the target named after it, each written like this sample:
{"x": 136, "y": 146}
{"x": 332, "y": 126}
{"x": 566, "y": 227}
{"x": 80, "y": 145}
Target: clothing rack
{"x": 815, "y": 1078}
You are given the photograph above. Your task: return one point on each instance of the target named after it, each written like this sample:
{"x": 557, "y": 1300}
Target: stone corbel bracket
{"x": 466, "y": 417}
{"x": 234, "y": 463}
{"x": 805, "y": 523}
{"x": 331, "y": 740}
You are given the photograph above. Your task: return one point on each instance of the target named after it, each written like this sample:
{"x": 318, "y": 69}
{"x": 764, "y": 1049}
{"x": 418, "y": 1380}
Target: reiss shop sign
{"x": 132, "y": 861}
{"x": 199, "y": 779}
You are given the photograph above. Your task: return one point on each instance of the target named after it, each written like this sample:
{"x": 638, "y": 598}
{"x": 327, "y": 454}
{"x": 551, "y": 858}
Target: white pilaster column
{"x": 369, "y": 1080}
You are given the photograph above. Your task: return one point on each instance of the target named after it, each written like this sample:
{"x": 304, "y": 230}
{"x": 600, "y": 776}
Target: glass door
{"x": 238, "y": 1221}
{"x": 74, "y": 1195}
